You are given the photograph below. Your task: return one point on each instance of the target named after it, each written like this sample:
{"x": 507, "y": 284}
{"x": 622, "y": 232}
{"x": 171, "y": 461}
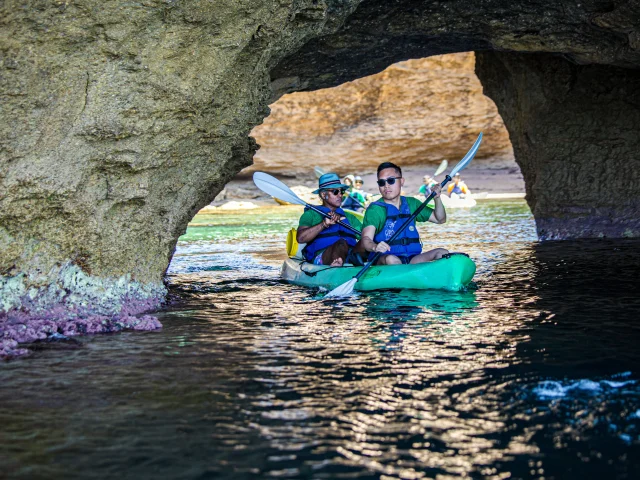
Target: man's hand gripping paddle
{"x": 274, "y": 187}
{"x": 346, "y": 288}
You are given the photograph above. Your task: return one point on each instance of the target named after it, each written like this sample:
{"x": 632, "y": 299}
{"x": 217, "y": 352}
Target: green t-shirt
{"x": 377, "y": 215}
{"x": 311, "y": 218}
{"x": 359, "y": 196}
{"x": 423, "y": 188}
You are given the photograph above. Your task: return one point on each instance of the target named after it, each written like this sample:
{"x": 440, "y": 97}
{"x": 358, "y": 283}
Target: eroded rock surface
{"x": 381, "y": 32}
{"x": 414, "y": 113}
{"x": 120, "y": 120}
{"x": 575, "y": 130}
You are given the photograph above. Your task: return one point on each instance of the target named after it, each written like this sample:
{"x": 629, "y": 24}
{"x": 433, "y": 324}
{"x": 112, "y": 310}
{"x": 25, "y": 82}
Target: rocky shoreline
{"x": 500, "y": 178}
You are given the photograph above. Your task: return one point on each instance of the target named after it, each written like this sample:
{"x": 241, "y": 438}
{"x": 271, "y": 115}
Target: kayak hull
{"x": 453, "y": 273}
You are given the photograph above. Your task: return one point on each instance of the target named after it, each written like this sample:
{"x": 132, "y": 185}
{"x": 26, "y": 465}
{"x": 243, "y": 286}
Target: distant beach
{"x": 502, "y": 179}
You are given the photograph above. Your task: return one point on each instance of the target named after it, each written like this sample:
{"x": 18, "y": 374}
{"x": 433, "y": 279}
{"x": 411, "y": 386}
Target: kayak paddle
{"x": 347, "y": 288}
{"x": 274, "y": 187}
{"x": 318, "y": 171}
{"x": 441, "y": 168}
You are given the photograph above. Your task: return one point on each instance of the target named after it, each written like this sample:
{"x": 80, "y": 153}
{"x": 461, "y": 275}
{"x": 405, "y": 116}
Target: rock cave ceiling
{"x": 381, "y": 32}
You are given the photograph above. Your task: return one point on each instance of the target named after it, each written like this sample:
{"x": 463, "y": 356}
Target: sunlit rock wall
{"x": 414, "y": 112}
{"x": 576, "y": 133}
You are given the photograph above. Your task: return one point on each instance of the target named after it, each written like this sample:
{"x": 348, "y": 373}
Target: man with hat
{"x": 427, "y": 183}
{"x": 328, "y": 242}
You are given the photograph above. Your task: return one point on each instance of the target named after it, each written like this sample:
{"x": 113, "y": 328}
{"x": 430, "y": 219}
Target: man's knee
{"x": 338, "y": 250}
{"x": 440, "y": 252}
{"x": 341, "y": 247}
{"x": 435, "y": 254}
{"x": 388, "y": 260}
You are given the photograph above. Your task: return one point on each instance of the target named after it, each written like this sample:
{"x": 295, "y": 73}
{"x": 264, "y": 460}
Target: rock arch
{"x": 120, "y": 119}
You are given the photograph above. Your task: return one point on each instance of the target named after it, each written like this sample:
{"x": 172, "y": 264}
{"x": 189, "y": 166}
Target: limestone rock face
{"x": 119, "y": 121}
{"x": 575, "y": 134}
{"x": 413, "y": 113}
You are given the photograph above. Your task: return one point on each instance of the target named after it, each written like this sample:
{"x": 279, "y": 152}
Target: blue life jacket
{"x": 329, "y": 236}
{"x": 456, "y": 189}
{"x": 408, "y": 241}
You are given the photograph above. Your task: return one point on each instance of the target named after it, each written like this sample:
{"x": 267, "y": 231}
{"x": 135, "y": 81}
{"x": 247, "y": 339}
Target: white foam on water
{"x": 551, "y": 389}
{"x": 625, "y": 438}
{"x": 617, "y": 384}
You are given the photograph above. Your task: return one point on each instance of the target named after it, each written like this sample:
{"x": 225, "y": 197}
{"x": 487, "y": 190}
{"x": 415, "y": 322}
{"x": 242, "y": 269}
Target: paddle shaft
{"x": 274, "y": 187}
{"x": 446, "y": 180}
{"x": 326, "y": 215}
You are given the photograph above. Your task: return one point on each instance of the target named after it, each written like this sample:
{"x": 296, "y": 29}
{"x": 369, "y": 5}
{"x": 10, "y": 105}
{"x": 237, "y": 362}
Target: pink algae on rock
{"x": 22, "y": 327}
{"x": 67, "y": 302}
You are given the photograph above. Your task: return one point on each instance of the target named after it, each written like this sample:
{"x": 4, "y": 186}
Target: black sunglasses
{"x": 335, "y": 191}
{"x": 390, "y": 181}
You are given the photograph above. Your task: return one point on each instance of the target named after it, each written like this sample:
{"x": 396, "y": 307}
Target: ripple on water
{"x": 252, "y": 378}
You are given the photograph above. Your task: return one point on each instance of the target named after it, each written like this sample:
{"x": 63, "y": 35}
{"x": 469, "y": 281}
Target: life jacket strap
{"x": 404, "y": 241}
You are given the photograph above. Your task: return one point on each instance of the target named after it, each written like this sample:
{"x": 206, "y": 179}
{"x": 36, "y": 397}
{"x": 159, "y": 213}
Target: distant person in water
{"x": 427, "y": 183}
{"x": 328, "y": 242}
{"x": 458, "y": 188}
{"x": 384, "y": 216}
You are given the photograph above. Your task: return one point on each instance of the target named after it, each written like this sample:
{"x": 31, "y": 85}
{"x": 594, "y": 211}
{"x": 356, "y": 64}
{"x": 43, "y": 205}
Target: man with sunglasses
{"x": 383, "y": 217}
{"x": 328, "y": 242}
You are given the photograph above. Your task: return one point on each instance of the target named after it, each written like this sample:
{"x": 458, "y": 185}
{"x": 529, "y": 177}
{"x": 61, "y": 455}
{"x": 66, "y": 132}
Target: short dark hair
{"x": 384, "y": 165}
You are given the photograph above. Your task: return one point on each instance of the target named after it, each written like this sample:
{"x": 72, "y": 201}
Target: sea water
{"x": 533, "y": 372}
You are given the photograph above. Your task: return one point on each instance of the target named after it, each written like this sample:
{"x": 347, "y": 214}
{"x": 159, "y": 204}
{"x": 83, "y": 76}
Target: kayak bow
{"x": 453, "y": 272}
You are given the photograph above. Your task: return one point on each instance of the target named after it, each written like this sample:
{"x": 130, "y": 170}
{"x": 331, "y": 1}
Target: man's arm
{"x": 367, "y": 241}
{"x": 439, "y": 214}
{"x": 307, "y": 234}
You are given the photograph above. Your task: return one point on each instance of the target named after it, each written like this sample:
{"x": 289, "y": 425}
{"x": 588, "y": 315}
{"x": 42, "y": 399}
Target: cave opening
{"x": 415, "y": 113}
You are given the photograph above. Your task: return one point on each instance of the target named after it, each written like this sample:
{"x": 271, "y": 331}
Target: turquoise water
{"x": 531, "y": 373}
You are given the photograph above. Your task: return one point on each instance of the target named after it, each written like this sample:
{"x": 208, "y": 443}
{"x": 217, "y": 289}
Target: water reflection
{"x": 254, "y": 378}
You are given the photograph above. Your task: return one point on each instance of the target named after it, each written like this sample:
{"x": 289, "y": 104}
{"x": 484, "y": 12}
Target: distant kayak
{"x": 452, "y": 273}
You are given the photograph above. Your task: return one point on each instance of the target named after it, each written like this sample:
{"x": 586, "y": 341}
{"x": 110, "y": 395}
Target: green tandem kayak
{"x": 451, "y": 273}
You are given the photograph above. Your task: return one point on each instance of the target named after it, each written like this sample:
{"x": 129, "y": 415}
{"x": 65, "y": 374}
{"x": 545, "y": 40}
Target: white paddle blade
{"x": 468, "y": 157}
{"x": 274, "y": 187}
{"x": 443, "y": 166}
{"x": 344, "y": 290}
{"x": 318, "y": 171}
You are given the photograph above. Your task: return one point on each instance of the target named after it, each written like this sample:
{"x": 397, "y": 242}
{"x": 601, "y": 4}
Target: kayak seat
{"x": 451, "y": 254}
{"x": 294, "y": 249}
